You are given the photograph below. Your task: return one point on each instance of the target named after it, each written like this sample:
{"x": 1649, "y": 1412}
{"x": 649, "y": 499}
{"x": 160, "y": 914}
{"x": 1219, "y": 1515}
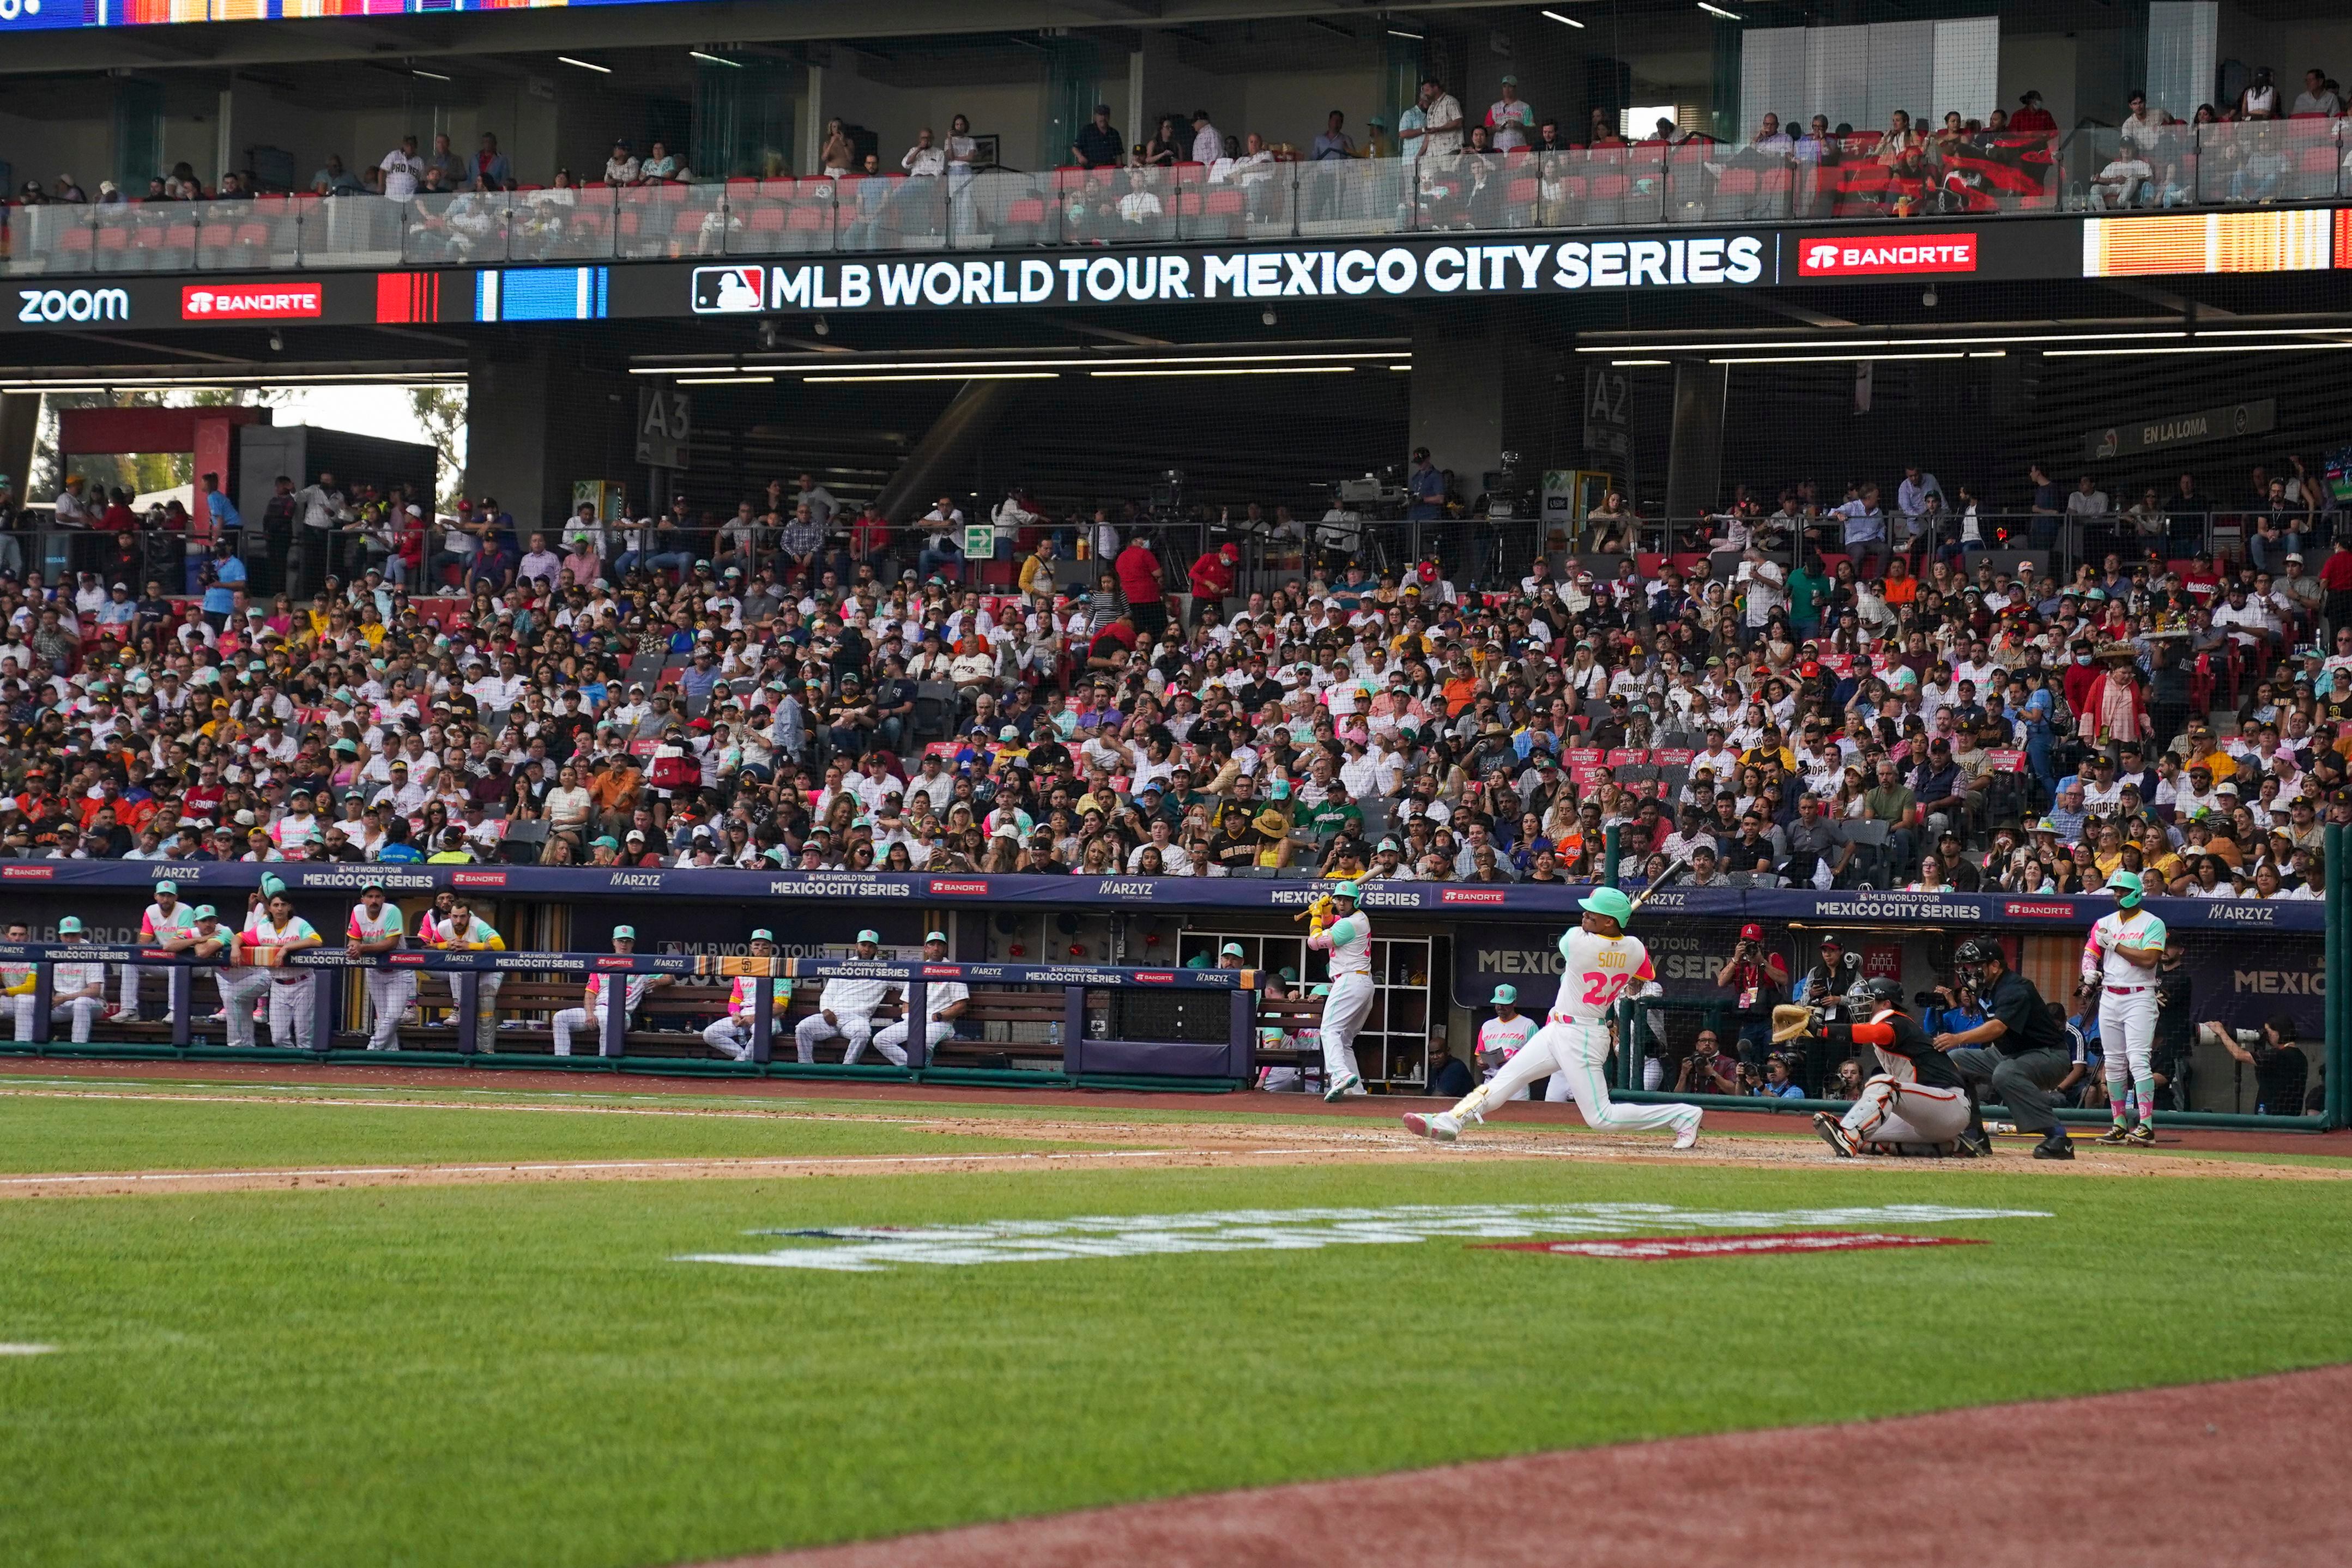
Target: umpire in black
{"x": 2019, "y": 1050}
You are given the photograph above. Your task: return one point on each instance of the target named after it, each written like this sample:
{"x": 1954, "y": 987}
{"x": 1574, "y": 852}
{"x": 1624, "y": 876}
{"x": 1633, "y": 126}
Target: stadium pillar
{"x": 935, "y": 464}
{"x": 2337, "y": 1051}
{"x": 1695, "y": 461}
{"x": 20, "y": 421}
{"x": 540, "y": 414}
{"x": 1478, "y": 392}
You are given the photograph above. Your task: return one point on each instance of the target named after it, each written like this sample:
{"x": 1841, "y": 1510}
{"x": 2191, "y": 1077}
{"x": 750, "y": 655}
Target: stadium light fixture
{"x": 1719, "y": 11}
{"x": 2197, "y": 349}
{"x": 1624, "y": 364}
{"x": 725, "y": 381}
{"x": 715, "y": 59}
{"x": 584, "y": 65}
{"x": 429, "y": 76}
{"x": 1564, "y": 21}
{"x": 1401, "y": 33}
{"x": 823, "y": 367}
{"x": 1241, "y": 370}
{"x": 1849, "y": 359}
{"x": 950, "y": 376}
{"x": 1793, "y": 343}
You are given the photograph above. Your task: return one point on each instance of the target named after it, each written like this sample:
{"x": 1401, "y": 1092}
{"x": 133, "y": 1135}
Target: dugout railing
{"x": 1064, "y": 1020}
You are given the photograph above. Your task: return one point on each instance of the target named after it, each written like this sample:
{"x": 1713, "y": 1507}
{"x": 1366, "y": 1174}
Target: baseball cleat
{"x": 2115, "y": 1134}
{"x": 2057, "y": 1147}
{"x": 1687, "y": 1136}
{"x": 1438, "y": 1129}
{"x": 1341, "y": 1087}
{"x": 1977, "y": 1144}
{"x": 2142, "y": 1136}
{"x": 1834, "y": 1135}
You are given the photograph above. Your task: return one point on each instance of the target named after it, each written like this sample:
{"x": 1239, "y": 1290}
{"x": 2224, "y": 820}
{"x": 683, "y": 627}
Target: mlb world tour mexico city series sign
{"x": 1402, "y": 270}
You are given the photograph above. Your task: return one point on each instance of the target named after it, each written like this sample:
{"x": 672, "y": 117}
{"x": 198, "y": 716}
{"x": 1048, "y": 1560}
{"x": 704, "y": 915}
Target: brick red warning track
{"x": 1379, "y": 1108}
{"x": 2224, "y": 1474}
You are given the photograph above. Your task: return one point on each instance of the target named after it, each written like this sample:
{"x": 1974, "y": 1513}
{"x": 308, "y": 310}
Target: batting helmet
{"x": 1883, "y": 991}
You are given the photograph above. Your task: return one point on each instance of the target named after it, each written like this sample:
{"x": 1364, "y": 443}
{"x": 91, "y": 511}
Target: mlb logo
{"x": 729, "y": 290}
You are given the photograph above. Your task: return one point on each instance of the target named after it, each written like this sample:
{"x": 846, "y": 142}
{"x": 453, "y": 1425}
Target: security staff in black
{"x": 2019, "y": 1050}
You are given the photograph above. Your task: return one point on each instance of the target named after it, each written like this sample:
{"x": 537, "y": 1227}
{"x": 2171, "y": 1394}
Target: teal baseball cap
{"x": 163, "y": 887}
{"x": 763, "y": 935}
{"x": 1607, "y": 901}
{"x": 1230, "y": 950}
{"x": 69, "y": 926}
{"x": 1505, "y": 996}
{"x": 938, "y": 937}
{"x": 869, "y": 937}
{"x": 624, "y": 933}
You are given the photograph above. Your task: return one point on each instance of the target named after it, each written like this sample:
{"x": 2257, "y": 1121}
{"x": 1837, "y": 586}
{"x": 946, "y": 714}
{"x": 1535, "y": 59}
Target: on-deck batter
{"x": 1335, "y": 925}
{"x": 2120, "y": 957}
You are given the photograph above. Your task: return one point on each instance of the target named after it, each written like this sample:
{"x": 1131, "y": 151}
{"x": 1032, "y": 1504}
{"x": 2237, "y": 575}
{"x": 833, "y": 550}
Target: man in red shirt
{"x": 2335, "y": 577}
{"x": 1141, "y": 580}
{"x": 2082, "y": 675}
{"x": 1213, "y": 578}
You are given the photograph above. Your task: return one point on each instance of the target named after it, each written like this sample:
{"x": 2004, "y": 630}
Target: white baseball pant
{"x": 126, "y": 992}
{"x": 1575, "y": 1052}
{"x": 892, "y": 1042}
{"x": 854, "y": 1029}
{"x": 294, "y": 1012}
{"x": 2126, "y": 1038}
{"x": 389, "y": 992}
{"x": 1344, "y": 1012}
{"x": 1888, "y": 1111}
{"x": 81, "y": 1010}
{"x": 239, "y": 987}
{"x": 570, "y": 1019}
{"x": 733, "y": 1037}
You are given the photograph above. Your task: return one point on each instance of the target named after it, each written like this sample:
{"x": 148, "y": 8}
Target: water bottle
{"x": 1054, "y": 1033}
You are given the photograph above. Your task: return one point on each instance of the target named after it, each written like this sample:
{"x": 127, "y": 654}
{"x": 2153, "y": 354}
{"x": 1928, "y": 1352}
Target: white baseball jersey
{"x": 745, "y": 994}
{"x": 267, "y": 935}
{"x": 1350, "y": 940}
{"x": 855, "y": 998}
{"x": 1505, "y": 1035}
{"x": 2101, "y": 958}
{"x": 635, "y": 995}
{"x": 1600, "y": 971}
{"x": 941, "y": 995}
{"x": 159, "y": 923}
{"x": 366, "y": 928}
{"x": 64, "y": 976}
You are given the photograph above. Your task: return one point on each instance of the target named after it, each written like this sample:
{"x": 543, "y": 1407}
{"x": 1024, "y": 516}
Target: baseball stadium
{"x": 1175, "y": 782}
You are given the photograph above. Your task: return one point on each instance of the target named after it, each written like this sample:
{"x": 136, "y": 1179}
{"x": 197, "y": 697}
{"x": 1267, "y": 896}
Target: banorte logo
{"x": 246, "y": 302}
{"x": 1876, "y": 255}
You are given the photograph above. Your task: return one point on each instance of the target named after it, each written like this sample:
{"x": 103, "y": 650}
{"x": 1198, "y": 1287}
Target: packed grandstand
{"x": 1824, "y": 698}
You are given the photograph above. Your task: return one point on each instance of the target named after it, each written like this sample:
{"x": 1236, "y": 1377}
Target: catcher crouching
{"x": 1915, "y": 1104}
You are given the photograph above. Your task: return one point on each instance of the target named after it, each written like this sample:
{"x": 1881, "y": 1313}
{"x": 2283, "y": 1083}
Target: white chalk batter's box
{"x": 1661, "y": 1249}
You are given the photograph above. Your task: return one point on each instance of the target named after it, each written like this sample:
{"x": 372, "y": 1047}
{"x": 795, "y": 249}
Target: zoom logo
{"x": 39, "y": 304}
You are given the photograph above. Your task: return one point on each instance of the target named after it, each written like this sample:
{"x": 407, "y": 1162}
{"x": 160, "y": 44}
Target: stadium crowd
{"x": 811, "y": 687}
{"x": 1955, "y": 157}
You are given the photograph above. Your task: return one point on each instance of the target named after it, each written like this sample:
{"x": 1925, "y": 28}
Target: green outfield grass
{"x": 69, "y": 1131}
{"x": 523, "y": 1375}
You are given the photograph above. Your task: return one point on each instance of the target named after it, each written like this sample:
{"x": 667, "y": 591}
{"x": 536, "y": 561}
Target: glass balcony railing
{"x": 1861, "y": 177}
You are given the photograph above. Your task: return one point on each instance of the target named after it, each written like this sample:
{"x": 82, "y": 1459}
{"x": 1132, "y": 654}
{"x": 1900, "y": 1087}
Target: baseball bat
{"x": 1681, "y": 862}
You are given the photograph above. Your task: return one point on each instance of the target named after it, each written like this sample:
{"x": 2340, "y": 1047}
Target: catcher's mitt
{"x": 1789, "y": 1022}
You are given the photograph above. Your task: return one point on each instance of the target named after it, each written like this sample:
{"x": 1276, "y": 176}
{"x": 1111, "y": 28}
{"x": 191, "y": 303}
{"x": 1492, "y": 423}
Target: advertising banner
{"x": 205, "y": 881}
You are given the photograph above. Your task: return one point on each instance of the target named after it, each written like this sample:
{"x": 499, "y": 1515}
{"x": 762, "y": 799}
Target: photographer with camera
{"x": 1756, "y": 981}
{"x": 1707, "y": 1070}
{"x": 1950, "y": 1009}
{"x": 2280, "y": 1068}
{"x": 1827, "y": 985}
